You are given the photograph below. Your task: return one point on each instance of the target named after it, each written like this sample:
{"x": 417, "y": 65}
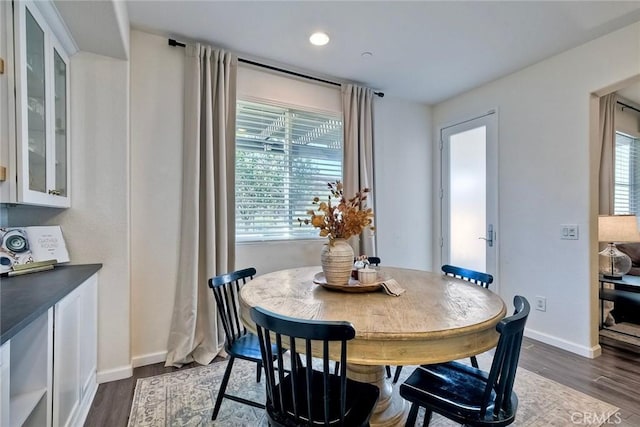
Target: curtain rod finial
{"x": 174, "y": 42}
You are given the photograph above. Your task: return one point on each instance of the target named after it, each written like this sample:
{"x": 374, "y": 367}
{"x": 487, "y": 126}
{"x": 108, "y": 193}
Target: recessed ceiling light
{"x": 319, "y": 39}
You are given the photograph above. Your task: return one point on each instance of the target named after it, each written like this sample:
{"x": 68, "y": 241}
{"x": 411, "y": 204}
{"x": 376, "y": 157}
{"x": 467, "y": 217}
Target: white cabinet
{"x": 5, "y": 353}
{"x": 26, "y": 375}
{"x": 67, "y": 356}
{"x": 41, "y": 79}
{"x": 89, "y": 345}
{"x": 75, "y": 350}
{"x": 4, "y": 104}
{"x": 48, "y": 369}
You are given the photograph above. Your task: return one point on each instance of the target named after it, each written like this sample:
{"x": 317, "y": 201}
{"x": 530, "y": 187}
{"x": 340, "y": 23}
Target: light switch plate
{"x": 569, "y": 232}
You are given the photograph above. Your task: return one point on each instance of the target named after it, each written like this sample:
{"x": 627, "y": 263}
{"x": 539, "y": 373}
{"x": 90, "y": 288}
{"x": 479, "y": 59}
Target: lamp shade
{"x": 613, "y": 264}
{"x": 618, "y": 228}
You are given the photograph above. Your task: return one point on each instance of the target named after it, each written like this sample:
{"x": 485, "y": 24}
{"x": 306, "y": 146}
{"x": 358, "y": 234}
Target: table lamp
{"x": 611, "y": 229}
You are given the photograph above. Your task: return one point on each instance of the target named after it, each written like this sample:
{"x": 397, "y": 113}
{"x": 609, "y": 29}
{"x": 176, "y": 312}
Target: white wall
{"x": 98, "y": 224}
{"x": 156, "y": 170}
{"x": 548, "y": 177}
{"x": 257, "y": 83}
{"x": 403, "y": 183}
{"x": 402, "y": 152}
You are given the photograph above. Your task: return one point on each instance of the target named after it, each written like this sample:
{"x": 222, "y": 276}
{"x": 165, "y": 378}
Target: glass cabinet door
{"x": 60, "y": 119}
{"x": 36, "y": 105}
{"x": 42, "y": 110}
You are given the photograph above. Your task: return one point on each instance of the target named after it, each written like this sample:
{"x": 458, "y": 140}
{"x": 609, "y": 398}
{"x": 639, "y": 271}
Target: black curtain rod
{"x": 628, "y": 106}
{"x": 173, "y": 42}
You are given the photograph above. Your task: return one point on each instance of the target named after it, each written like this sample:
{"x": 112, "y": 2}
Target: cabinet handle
{"x": 55, "y": 192}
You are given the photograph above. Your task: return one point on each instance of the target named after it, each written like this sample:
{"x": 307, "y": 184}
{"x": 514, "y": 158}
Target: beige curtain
{"x": 357, "y": 107}
{"x": 607, "y": 160}
{"x": 607, "y": 136}
{"x": 207, "y": 233}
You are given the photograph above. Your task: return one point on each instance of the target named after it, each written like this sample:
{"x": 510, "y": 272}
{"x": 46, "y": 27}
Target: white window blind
{"x": 626, "y": 175}
{"x": 284, "y": 158}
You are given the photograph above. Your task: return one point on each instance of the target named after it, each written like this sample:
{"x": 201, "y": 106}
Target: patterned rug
{"x": 186, "y": 398}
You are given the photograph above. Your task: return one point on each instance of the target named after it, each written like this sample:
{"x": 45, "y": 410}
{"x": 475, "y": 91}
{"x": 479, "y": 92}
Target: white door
{"x": 469, "y": 194}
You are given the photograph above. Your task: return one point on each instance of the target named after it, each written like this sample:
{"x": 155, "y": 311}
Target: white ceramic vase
{"x": 337, "y": 262}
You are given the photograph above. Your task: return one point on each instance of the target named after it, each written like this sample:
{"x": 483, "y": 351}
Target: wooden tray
{"x": 353, "y": 286}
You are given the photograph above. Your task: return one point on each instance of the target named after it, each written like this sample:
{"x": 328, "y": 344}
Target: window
{"x": 626, "y": 175}
{"x": 284, "y": 157}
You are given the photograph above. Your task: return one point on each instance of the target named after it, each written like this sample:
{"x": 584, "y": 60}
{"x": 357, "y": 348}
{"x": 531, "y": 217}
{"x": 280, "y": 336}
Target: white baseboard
{"x": 115, "y": 374}
{"x": 590, "y": 352}
{"x": 149, "y": 359}
{"x": 127, "y": 371}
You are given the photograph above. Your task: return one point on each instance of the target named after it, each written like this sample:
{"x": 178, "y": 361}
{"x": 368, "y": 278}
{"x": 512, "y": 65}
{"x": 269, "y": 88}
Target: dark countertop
{"x": 24, "y": 298}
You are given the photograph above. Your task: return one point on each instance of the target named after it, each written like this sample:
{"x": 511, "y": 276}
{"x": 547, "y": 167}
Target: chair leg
{"x": 258, "y": 371}
{"x": 413, "y": 414}
{"x": 474, "y": 362}
{"x": 223, "y": 388}
{"x": 388, "y": 368}
{"x": 336, "y": 368}
{"x": 427, "y": 417}
{"x": 396, "y": 375}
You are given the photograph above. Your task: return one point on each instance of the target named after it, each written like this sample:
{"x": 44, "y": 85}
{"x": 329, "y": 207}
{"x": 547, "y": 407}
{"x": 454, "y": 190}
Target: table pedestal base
{"x": 391, "y": 409}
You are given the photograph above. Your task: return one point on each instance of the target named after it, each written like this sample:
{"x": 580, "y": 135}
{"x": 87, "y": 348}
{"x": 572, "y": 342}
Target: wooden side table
{"x": 625, "y": 291}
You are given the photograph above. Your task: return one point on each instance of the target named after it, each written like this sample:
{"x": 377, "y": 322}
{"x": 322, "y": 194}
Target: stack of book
{"x": 26, "y": 250}
{"x": 31, "y": 267}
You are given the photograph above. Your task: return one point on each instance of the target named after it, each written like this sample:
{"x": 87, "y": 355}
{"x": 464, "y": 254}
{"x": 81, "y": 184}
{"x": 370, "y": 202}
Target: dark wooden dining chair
{"x": 465, "y": 394}
{"x": 477, "y": 277}
{"x": 374, "y": 260}
{"x": 306, "y": 396}
{"x": 239, "y": 343}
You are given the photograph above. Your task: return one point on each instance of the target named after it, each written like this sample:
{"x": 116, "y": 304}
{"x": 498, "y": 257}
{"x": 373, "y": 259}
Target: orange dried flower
{"x": 349, "y": 217}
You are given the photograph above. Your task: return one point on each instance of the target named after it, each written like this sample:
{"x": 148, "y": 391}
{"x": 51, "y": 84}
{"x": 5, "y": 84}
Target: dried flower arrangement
{"x": 349, "y": 217}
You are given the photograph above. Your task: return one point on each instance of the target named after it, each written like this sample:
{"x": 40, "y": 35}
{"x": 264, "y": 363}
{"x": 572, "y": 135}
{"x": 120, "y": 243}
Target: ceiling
{"x": 426, "y": 51}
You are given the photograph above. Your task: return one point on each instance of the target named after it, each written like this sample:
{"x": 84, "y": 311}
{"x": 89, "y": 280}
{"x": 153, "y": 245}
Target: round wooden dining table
{"x": 438, "y": 319}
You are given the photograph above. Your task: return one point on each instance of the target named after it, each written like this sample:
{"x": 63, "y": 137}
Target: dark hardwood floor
{"x": 112, "y": 403}
{"x": 613, "y": 377}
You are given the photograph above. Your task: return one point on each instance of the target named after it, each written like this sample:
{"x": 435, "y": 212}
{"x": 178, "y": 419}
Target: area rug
{"x": 186, "y": 398}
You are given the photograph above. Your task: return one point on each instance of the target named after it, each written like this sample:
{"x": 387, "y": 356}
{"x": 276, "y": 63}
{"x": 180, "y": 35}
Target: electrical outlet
{"x": 541, "y": 303}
